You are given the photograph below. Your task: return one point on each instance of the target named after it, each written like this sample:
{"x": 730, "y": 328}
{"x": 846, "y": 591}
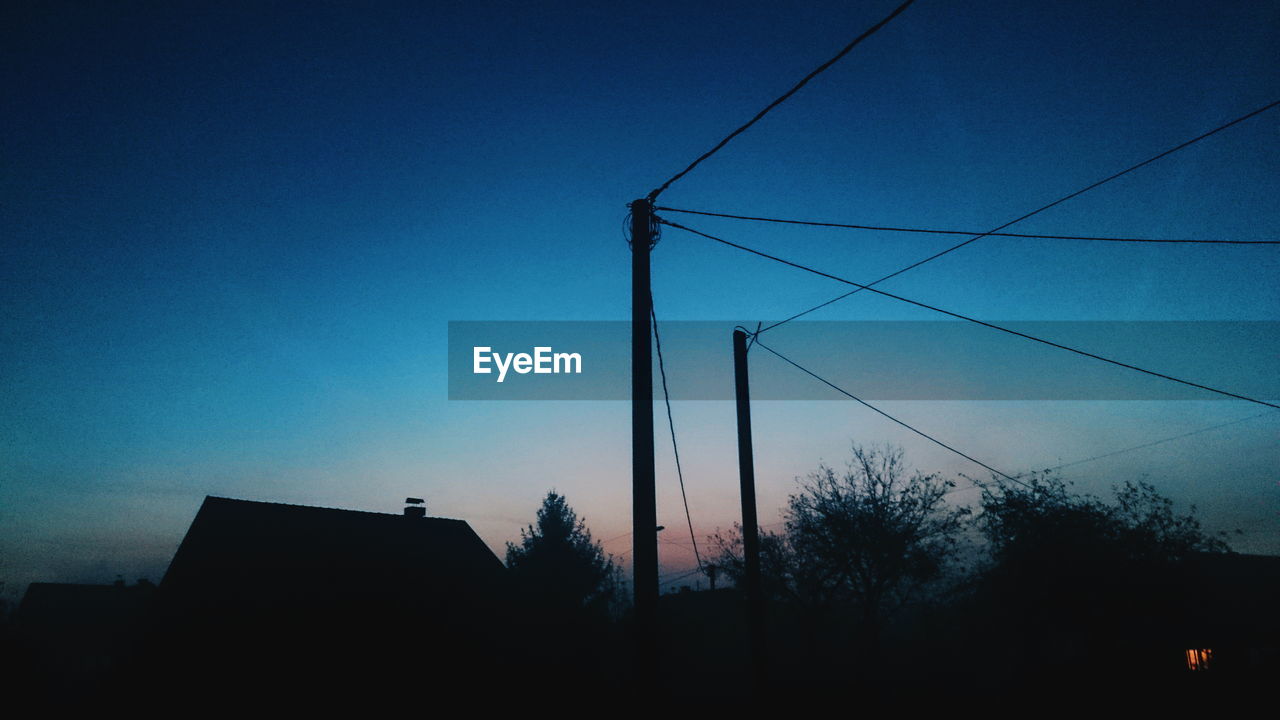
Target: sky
{"x": 235, "y": 234}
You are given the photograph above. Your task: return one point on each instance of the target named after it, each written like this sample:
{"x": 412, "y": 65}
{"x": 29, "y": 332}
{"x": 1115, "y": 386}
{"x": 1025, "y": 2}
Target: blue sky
{"x": 235, "y": 234}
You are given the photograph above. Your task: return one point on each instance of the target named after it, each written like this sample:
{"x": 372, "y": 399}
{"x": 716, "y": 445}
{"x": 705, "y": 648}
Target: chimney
{"x": 415, "y": 507}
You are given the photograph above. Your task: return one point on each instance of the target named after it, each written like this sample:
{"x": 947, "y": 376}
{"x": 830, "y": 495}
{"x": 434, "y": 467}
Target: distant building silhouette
{"x": 1231, "y": 623}
{"x": 76, "y": 634}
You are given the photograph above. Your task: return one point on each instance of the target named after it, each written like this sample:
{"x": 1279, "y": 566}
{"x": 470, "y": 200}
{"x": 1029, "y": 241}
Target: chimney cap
{"x": 414, "y": 501}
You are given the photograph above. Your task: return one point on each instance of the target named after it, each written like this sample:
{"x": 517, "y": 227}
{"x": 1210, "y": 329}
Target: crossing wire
{"x": 873, "y": 408}
{"x": 1037, "y": 211}
{"x": 979, "y": 484}
{"x": 966, "y": 318}
{"x": 933, "y": 231}
{"x": 1162, "y": 441}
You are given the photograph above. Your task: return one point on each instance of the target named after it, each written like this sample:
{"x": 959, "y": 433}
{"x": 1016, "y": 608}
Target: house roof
{"x": 242, "y": 553}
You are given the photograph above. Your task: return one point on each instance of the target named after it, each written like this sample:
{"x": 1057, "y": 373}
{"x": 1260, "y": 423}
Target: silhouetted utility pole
{"x": 750, "y": 532}
{"x": 644, "y": 512}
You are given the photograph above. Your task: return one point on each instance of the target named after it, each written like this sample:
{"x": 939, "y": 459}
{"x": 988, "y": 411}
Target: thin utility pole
{"x": 644, "y": 511}
{"x": 750, "y": 531}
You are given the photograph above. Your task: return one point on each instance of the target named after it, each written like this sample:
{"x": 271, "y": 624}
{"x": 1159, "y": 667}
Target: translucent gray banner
{"x": 872, "y": 360}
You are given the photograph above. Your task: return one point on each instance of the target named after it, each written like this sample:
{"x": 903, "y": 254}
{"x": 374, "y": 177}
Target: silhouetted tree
{"x": 1041, "y": 524}
{"x": 777, "y": 574}
{"x": 557, "y": 563}
{"x": 1075, "y": 578}
{"x": 866, "y": 539}
{"x": 874, "y": 534}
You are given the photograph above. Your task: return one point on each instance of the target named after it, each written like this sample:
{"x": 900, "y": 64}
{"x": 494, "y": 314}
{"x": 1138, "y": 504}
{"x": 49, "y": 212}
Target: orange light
{"x": 1198, "y": 659}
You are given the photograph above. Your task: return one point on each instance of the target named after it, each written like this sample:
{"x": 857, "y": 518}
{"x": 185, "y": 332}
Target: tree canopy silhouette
{"x": 1041, "y": 527}
{"x": 866, "y": 539}
{"x": 1073, "y": 576}
{"x": 558, "y": 565}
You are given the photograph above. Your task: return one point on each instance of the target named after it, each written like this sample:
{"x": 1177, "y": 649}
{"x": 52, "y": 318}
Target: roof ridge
{"x": 323, "y": 507}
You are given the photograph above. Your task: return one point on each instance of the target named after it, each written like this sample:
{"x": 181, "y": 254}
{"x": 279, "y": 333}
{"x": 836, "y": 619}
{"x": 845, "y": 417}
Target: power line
{"x": 965, "y": 232}
{"x": 679, "y": 576}
{"x": 868, "y": 405}
{"x": 866, "y": 34}
{"x": 1037, "y": 211}
{"x": 615, "y": 537}
{"x": 678, "y": 545}
{"x": 675, "y": 449}
{"x": 1153, "y": 443}
{"x": 979, "y": 484}
{"x": 966, "y": 318}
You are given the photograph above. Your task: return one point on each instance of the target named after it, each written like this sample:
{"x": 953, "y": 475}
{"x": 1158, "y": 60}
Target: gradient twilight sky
{"x": 234, "y": 233}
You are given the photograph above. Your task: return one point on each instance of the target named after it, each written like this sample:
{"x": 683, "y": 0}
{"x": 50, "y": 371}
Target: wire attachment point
{"x": 655, "y": 230}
